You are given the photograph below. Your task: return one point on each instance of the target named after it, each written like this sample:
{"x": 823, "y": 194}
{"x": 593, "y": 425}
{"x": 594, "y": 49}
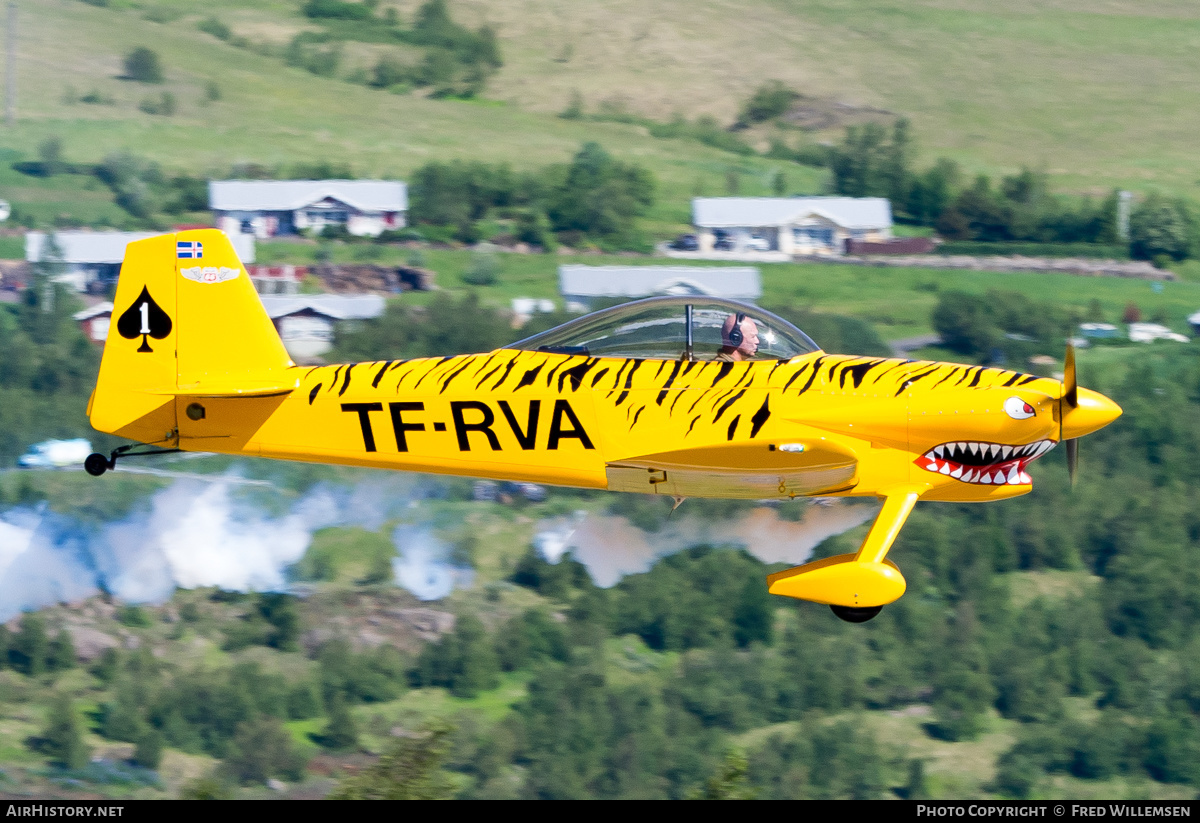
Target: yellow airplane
{"x": 677, "y": 396}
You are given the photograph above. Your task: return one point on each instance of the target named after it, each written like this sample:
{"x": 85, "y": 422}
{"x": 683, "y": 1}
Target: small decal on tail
{"x": 189, "y": 250}
{"x": 209, "y": 274}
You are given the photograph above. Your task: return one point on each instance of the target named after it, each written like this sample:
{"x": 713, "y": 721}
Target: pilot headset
{"x": 735, "y": 334}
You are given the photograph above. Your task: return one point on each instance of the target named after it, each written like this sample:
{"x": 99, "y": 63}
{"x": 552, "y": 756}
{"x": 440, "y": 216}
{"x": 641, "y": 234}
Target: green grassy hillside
{"x": 1098, "y": 94}
{"x": 272, "y": 114}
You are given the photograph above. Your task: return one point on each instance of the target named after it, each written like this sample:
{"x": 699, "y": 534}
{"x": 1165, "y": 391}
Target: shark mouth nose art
{"x": 984, "y": 463}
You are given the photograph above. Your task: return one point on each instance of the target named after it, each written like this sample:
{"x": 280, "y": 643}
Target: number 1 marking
{"x": 145, "y": 310}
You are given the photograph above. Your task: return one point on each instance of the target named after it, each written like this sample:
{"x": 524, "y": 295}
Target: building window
{"x": 814, "y": 235}
{"x": 328, "y": 216}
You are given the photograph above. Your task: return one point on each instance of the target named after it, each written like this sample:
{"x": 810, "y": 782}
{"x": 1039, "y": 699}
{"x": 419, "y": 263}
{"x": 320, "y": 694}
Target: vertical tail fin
{"x": 187, "y": 321}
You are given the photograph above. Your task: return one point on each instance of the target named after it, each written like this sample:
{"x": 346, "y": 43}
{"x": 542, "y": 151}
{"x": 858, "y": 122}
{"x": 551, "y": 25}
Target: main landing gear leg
{"x": 856, "y": 586}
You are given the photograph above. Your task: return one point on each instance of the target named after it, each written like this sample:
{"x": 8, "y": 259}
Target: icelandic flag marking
{"x": 189, "y": 249}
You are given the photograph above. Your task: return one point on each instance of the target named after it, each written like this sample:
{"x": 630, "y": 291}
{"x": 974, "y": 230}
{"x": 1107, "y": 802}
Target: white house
{"x": 789, "y": 225}
{"x": 580, "y": 285}
{"x": 92, "y": 259}
{"x": 306, "y": 321}
{"x": 1149, "y": 332}
{"x": 95, "y": 321}
{"x": 266, "y": 208}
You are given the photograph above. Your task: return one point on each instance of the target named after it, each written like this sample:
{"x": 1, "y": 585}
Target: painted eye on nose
{"x": 1018, "y": 409}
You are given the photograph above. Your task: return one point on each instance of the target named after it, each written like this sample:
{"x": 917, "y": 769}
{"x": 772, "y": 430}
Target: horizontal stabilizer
{"x": 242, "y": 388}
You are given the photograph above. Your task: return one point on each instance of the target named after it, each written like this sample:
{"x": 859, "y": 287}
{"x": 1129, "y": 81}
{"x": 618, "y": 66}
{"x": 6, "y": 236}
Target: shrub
{"x": 164, "y": 104}
{"x": 769, "y": 101}
{"x": 483, "y": 271}
{"x": 305, "y": 52}
{"x": 337, "y": 10}
{"x": 144, "y": 66}
{"x": 389, "y": 71}
{"x": 261, "y": 749}
{"x": 213, "y": 26}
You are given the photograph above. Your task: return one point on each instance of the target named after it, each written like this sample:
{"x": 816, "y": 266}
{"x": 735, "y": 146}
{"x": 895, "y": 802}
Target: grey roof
{"x": 735, "y": 282}
{"x": 85, "y": 246}
{"x": 334, "y": 306}
{"x": 92, "y": 247}
{"x": 290, "y": 195}
{"x": 94, "y": 311}
{"x": 735, "y": 212}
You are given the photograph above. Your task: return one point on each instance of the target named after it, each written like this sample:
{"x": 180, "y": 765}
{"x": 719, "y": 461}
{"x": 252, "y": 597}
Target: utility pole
{"x": 10, "y": 89}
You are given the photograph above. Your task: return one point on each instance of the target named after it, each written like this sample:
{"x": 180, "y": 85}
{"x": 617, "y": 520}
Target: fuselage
{"x": 816, "y": 424}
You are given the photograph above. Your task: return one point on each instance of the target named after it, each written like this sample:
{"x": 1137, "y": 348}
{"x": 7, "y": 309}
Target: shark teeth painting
{"x": 984, "y": 464}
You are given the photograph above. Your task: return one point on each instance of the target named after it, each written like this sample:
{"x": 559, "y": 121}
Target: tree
{"x": 50, "y": 152}
{"x": 279, "y": 610}
{"x": 1159, "y": 227}
{"x": 408, "y": 769}
{"x": 917, "y": 787}
{"x": 932, "y": 191}
{"x": 964, "y": 323}
{"x": 962, "y": 694}
{"x": 894, "y": 166}
{"x": 477, "y": 667}
{"x": 977, "y": 214}
{"x": 1017, "y": 774}
{"x": 754, "y": 614}
{"x": 390, "y": 71}
{"x": 144, "y": 66}
{"x": 770, "y": 100}
{"x": 262, "y": 749}
{"x": 62, "y": 739}
{"x": 148, "y": 751}
{"x": 729, "y": 783}
{"x": 433, "y": 24}
{"x": 31, "y": 647}
{"x": 600, "y": 196}
{"x": 341, "y": 732}
{"x": 60, "y": 654}
{"x": 857, "y": 163}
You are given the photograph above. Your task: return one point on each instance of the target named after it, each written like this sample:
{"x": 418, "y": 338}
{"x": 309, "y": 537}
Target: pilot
{"x": 739, "y": 338}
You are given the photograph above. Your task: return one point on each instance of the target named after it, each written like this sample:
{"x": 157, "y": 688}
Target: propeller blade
{"x": 1069, "y": 400}
{"x": 1070, "y": 387}
{"x": 1072, "y": 459}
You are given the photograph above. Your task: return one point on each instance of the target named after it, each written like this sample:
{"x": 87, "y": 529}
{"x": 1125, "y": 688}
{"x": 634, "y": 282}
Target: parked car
{"x": 686, "y": 242}
{"x": 757, "y": 244}
{"x": 724, "y": 243}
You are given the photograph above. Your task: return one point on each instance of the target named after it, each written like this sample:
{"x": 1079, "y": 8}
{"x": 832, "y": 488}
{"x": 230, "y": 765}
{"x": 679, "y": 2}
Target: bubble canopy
{"x": 670, "y": 328}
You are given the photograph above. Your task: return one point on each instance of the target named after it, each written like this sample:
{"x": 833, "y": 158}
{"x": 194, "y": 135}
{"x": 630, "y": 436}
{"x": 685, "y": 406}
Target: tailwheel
{"x": 853, "y": 614}
{"x": 96, "y": 464}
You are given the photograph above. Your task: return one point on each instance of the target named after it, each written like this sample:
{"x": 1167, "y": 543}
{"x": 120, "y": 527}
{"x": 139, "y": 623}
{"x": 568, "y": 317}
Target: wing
{"x": 745, "y": 469}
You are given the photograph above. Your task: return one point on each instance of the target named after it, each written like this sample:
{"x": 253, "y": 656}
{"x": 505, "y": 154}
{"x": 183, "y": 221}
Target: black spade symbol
{"x": 145, "y": 318}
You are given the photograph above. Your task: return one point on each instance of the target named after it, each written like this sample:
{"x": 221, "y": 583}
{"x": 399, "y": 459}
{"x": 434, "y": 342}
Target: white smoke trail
{"x": 199, "y": 533}
{"x": 610, "y": 547}
{"x": 422, "y": 566}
